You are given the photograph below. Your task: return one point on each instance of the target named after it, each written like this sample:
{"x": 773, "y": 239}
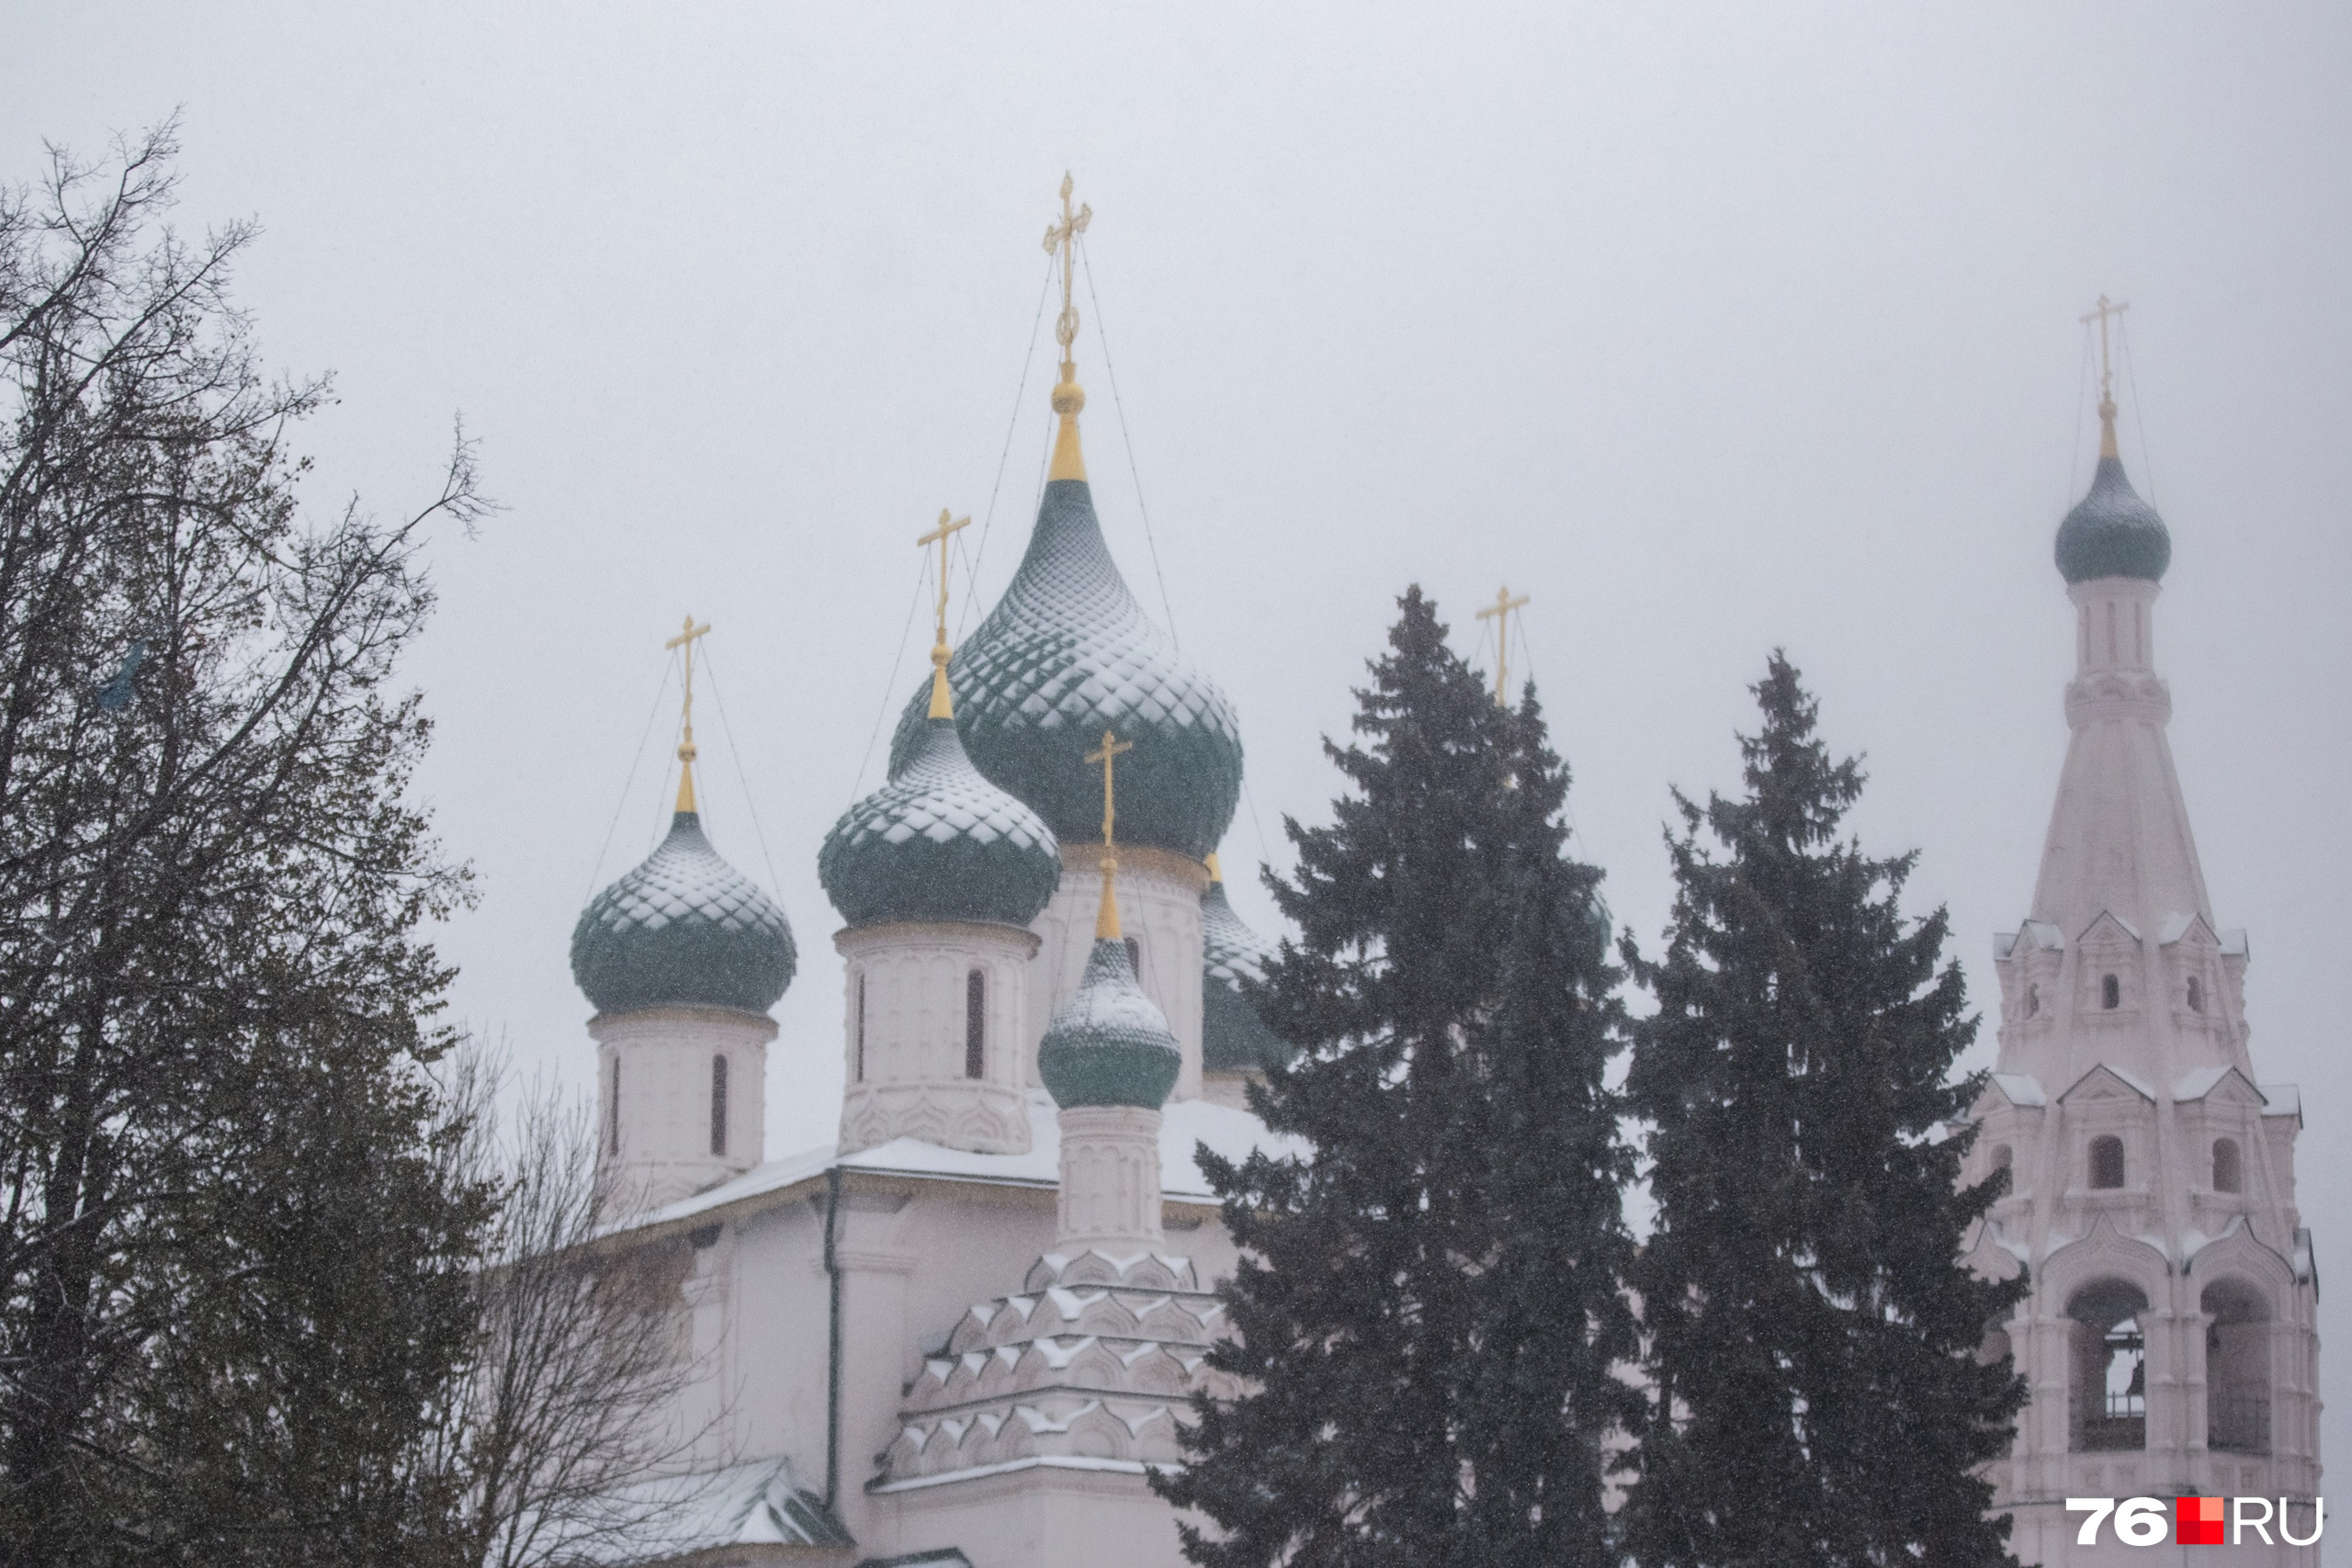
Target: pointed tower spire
{"x": 1061, "y": 238}
{"x": 685, "y": 639}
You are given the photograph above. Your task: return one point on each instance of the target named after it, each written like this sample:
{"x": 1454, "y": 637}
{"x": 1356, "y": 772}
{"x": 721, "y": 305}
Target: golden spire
{"x": 685, "y": 639}
{"x": 1216, "y": 872}
{"x": 1499, "y": 613}
{"x": 2106, "y": 374}
{"x": 1070, "y": 463}
{"x": 1106, "y": 922}
{"x": 943, "y": 705}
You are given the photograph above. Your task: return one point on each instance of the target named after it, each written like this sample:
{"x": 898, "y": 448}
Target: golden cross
{"x": 1062, "y": 237}
{"x": 1111, "y": 747}
{"x": 940, "y": 535}
{"x": 2105, "y": 372}
{"x": 685, "y": 639}
{"x": 1499, "y": 613}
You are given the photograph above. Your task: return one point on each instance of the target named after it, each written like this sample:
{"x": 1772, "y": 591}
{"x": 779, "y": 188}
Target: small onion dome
{"x": 1067, "y": 654}
{"x": 1234, "y": 1037}
{"x": 939, "y": 842}
{"x": 1109, "y": 1045}
{"x": 683, "y": 929}
{"x": 2112, "y": 533}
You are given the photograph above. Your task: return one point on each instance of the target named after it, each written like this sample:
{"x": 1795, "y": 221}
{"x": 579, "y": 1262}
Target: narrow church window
{"x": 1135, "y": 957}
{"x": 2002, "y": 1157}
{"x": 2110, "y": 992}
{"x": 976, "y": 1024}
{"x": 2107, "y": 1162}
{"x": 718, "y": 1105}
{"x": 2196, "y": 994}
{"x": 2229, "y": 1166}
{"x": 858, "y": 1067}
{"x": 613, "y": 1130}
{"x": 2032, "y": 1001}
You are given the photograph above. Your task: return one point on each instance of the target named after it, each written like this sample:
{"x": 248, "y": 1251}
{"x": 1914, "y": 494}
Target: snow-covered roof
{"x": 2282, "y": 1100}
{"x": 2197, "y": 1082}
{"x": 2041, "y": 933}
{"x": 2023, "y": 1089}
{"x": 2121, "y": 1075}
{"x": 2176, "y": 926}
{"x": 763, "y": 1503}
{"x": 2234, "y": 941}
{"x": 1184, "y": 1125}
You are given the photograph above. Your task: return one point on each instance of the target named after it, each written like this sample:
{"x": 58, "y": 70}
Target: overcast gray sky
{"x": 1711, "y": 327}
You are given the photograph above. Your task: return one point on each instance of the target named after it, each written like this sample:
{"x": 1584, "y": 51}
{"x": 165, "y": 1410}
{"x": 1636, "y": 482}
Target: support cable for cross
{"x": 750, "y": 808}
{"x": 621, "y": 805}
{"x": 972, "y": 563}
{"x": 1124, "y": 440}
{"x": 2139, "y": 420}
{"x": 891, "y": 689}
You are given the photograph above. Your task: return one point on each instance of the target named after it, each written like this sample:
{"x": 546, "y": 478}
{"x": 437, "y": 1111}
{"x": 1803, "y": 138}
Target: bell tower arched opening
{"x": 2238, "y": 1368}
{"x": 2109, "y": 1408}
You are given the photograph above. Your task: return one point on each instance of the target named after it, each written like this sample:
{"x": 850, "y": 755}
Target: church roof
{"x": 1234, "y": 1037}
{"x": 1068, "y": 653}
{"x": 684, "y": 929}
{"x": 1109, "y": 1044}
{"x": 2112, "y": 533}
{"x": 939, "y": 842}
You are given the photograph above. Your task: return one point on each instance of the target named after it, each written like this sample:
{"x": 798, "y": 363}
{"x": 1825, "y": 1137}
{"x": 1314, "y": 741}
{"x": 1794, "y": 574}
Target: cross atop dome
{"x": 942, "y": 705}
{"x": 1061, "y": 238}
{"x": 686, "y": 754}
{"x": 2100, "y": 313}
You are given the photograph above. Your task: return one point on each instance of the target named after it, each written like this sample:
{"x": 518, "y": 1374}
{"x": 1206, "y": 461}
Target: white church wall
{"x": 657, "y": 1096}
{"x": 906, "y": 1035}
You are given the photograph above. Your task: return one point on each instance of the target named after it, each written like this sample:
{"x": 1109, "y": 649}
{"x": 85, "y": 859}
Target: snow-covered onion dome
{"x": 1068, "y": 653}
{"x": 939, "y": 842}
{"x": 684, "y": 929}
{"x": 2111, "y": 532}
{"x": 1109, "y": 1045}
{"x": 1234, "y": 1037}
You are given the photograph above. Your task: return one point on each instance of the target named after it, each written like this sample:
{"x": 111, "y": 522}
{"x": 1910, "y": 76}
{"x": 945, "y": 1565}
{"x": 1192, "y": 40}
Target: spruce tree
{"x": 1812, "y": 1337}
{"x": 1428, "y": 1303}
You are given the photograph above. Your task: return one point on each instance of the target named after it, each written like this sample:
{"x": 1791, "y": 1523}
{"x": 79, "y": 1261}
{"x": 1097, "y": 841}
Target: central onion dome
{"x": 684, "y": 928}
{"x": 2111, "y": 532}
{"x": 1234, "y": 1037}
{"x": 939, "y": 842}
{"x": 1067, "y": 654}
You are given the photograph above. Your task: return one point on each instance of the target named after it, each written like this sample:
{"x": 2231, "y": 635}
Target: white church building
{"x": 961, "y": 1334}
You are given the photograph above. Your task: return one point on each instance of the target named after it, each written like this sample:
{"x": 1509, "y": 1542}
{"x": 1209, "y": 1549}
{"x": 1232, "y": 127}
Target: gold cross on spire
{"x": 942, "y": 704}
{"x": 1499, "y": 613}
{"x": 1061, "y": 239}
{"x": 685, "y": 639}
{"x": 1106, "y": 922}
{"x": 2099, "y": 313}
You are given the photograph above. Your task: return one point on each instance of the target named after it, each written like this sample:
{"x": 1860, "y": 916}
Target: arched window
{"x": 2110, "y": 992}
{"x": 976, "y": 1024}
{"x": 718, "y": 1105}
{"x": 2229, "y": 1166}
{"x": 2004, "y": 1158}
{"x": 2032, "y": 1001}
{"x": 2107, "y": 1162}
{"x": 2109, "y": 1407}
{"x": 2238, "y": 1368}
{"x": 857, "y": 1033}
{"x": 1134, "y": 957}
{"x": 612, "y": 1129}
{"x": 2196, "y": 994}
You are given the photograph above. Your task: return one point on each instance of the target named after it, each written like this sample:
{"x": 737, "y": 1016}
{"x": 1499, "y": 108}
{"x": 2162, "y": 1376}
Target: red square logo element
{"x": 2196, "y": 1521}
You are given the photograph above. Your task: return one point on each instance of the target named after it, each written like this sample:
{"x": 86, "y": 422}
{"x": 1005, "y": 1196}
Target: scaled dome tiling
{"x": 1065, "y": 654}
{"x": 684, "y": 929}
{"x": 1109, "y": 1044}
{"x": 939, "y": 842}
{"x": 1234, "y": 1037}
{"x": 2112, "y": 533}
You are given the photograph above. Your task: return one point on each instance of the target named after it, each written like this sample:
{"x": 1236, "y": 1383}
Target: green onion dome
{"x": 1109, "y": 1045}
{"x": 1234, "y": 1037}
{"x": 939, "y": 842}
{"x": 684, "y": 928}
{"x": 2112, "y": 533}
{"x": 1067, "y": 654}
